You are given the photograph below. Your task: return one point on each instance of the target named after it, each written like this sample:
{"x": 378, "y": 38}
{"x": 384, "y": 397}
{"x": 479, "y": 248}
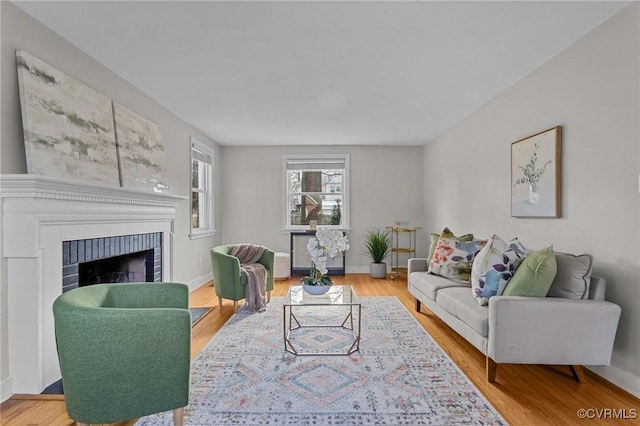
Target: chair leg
{"x": 492, "y": 368}
{"x": 220, "y": 301}
{"x": 268, "y": 296}
{"x": 578, "y": 373}
{"x": 178, "y": 416}
{"x": 235, "y": 306}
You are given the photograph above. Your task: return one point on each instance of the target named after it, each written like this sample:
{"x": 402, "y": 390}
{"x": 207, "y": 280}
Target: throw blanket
{"x": 256, "y": 291}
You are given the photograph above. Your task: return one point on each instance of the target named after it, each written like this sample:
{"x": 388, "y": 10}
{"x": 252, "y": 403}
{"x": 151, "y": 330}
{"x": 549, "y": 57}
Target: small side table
{"x": 281, "y": 266}
{"x": 301, "y": 260}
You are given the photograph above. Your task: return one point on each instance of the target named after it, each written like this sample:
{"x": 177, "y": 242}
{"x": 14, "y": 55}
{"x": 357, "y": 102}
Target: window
{"x": 317, "y": 188}
{"x": 202, "y": 223}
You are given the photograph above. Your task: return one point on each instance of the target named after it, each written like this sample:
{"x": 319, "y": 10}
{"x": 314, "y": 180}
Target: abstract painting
{"x": 140, "y": 151}
{"x": 536, "y": 175}
{"x": 68, "y": 126}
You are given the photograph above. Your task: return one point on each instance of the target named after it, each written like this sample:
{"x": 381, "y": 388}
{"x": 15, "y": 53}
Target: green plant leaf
{"x": 378, "y": 244}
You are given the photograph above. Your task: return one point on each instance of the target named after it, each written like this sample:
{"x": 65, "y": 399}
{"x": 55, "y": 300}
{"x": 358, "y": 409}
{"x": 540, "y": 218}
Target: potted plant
{"x": 378, "y": 244}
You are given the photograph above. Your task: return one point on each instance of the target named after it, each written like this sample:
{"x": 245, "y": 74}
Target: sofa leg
{"x": 578, "y": 373}
{"x": 268, "y": 296}
{"x": 235, "y": 306}
{"x": 417, "y": 305}
{"x": 492, "y": 367}
{"x": 220, "y": 301}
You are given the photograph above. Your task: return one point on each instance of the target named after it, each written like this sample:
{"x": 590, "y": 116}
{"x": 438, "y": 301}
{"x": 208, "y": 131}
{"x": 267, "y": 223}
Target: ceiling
{"x": 325, "y": 73}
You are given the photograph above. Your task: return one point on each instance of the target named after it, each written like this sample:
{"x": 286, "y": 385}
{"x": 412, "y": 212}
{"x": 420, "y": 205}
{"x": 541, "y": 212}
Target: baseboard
{"x": 365, "y": 270}
{"x": 620, "y": 378}
{"x": 6, "y": 389}
{"x": 200, "y": 281}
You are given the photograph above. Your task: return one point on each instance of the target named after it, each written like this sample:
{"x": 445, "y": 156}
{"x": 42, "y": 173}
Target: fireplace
{"x": 119, "y": 259}
{"x": 50, "y": 228}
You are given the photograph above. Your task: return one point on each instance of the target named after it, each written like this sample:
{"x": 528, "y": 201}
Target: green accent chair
{"x": 124, "y": 350}
{"x": 228, "y": 281}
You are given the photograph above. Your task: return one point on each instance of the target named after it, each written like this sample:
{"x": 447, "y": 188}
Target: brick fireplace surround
{"x": 38, "y": 216}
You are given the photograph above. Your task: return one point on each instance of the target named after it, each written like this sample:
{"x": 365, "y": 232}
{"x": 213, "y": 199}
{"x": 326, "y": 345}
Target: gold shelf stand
{"x": 396, "y": 249}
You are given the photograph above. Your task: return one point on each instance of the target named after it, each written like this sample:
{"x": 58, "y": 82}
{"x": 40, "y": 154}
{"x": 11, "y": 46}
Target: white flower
{"x": 327, "y": 244}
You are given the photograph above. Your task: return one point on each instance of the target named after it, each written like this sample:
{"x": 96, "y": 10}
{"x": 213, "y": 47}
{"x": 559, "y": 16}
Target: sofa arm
{"x": 547, "y": 330}
{"x": 417, "y": 264}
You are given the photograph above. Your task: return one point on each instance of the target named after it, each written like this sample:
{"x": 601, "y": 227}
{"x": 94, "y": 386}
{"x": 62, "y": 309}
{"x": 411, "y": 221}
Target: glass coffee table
{"x": 306, "y": 318}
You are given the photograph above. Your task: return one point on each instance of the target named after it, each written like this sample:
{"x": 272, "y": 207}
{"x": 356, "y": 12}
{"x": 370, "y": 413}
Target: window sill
{"x": 302, "y": 229}
{"x": 202, "y": 234}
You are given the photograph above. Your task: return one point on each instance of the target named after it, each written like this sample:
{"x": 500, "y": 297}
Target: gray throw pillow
{"x": 573, "y": 278}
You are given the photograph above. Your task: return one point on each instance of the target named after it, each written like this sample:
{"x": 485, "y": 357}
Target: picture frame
{"x": 536, "y": 172}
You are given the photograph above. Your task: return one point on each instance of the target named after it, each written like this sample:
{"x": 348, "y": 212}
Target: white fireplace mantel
{"x": 38, "y": 214}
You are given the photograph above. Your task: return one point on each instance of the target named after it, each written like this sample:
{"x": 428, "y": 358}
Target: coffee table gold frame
{"x": 337, "y": 296}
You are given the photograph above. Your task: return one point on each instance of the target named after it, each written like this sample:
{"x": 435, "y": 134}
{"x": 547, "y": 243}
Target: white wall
{"x": 20, "y": 31}
{"x": 386, "y": 184}
{"x": 592, "y": 90}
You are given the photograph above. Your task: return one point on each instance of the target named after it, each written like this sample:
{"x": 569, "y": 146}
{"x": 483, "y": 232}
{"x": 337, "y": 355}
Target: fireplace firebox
{"x": 120, "y": 259}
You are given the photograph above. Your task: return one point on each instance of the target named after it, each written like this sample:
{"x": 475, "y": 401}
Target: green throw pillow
{"x": 534, "y": 275}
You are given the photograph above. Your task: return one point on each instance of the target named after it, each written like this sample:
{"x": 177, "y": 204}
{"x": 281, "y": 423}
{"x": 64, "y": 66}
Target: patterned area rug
{"x": 400, "y": 376}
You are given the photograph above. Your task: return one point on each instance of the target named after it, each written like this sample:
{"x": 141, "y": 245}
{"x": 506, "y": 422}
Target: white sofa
{"x": 522, "y": 330}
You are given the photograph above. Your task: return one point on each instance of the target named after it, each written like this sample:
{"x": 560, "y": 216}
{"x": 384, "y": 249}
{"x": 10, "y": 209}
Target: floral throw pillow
{"x": 433, "y": 240}
{"x": 494, "y": 266}
{"x": 452, "y": 258}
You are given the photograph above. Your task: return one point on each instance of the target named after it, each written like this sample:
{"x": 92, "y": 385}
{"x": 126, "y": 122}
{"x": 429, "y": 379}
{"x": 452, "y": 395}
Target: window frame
{"x": 346, "y": 188}
{"x": 208, "y": 192}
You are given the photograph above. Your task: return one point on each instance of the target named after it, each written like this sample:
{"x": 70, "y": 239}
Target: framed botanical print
{"x": 536, "y": 175}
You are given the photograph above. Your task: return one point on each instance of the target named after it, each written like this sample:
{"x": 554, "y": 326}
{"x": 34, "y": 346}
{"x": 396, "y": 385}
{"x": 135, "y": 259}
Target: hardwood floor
{"x": 523, "y": 394}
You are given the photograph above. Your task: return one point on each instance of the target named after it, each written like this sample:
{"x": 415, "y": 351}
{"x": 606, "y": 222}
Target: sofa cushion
{"x": 433, "y": 240}
{"x": 534, "y": 275}
{"x": 573, "y": 277}
{"x": 453, "y": 257}
{"x": 429, "y": 284}
{"x": 459, "y": 302}
{"x": 494, "y": 266}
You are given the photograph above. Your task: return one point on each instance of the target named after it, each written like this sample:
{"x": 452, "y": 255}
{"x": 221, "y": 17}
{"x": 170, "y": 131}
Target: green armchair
{"x": 124, "y": 350}
{"x": 228, "y": 281}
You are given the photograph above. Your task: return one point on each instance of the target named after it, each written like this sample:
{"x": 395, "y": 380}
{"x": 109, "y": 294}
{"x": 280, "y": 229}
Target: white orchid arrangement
{"x": 326, "y": 244}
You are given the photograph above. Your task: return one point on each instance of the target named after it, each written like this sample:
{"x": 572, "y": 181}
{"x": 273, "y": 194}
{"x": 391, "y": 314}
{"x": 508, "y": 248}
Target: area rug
{"x": 400, "y": 376}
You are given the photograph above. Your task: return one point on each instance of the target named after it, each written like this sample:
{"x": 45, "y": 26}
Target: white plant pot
{"x": 378, "y": 270}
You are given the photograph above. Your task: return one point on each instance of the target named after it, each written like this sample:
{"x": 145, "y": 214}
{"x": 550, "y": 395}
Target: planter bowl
{"x": 316, "y": 289}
